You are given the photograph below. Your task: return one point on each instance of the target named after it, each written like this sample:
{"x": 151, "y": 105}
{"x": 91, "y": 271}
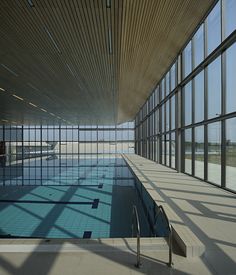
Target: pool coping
{"x": 82, "y": 245}
{"x": 188, "y": 242}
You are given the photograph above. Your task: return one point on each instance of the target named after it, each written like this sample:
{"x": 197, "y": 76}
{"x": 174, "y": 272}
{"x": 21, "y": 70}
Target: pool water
{"x": 86, "y": 198}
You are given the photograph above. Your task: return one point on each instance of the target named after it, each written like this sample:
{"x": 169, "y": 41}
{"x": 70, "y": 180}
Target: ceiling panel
{"x": 87, "y": 61}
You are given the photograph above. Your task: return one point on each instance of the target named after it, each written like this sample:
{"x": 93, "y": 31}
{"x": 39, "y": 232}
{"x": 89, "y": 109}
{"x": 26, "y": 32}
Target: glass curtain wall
{"x": 35, "y": 152}
{"x": 192, "y": 110}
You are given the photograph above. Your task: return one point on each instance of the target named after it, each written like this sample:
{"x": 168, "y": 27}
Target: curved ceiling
{"x": 87, "y": 61}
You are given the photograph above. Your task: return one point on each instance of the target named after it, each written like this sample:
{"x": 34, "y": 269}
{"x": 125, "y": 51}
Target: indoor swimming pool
{"x": 57, "y": 197}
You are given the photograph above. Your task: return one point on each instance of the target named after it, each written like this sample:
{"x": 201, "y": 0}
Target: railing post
{"x": 138, "y": 252}
{"x": 170, "y": 248}
{"x": 135, "y": 216}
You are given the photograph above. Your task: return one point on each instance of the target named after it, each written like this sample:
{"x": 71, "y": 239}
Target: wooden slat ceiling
{"x": 87, "y": 61}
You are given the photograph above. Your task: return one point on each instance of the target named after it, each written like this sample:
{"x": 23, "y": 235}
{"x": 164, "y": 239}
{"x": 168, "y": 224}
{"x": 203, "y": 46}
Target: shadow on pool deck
{"x": 44, "y": 262}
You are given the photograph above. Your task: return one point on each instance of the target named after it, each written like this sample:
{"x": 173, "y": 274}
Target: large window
{"x": 26, "y": 152}
{"x": 173, "y": 149}
{"x": 214, "y": 153}
{"x": 188, "y": 103}
{"x": 199, "y": 98}
{"x": 163, "y": 118}
{"x": 231, "y": 79}
{"x": 187, "y": 59}
{"x": 167, "y": 115}
{"x": 199, "y": 151}
{"x": 168, "y": 142}
{"x": 213, "y": 26}
{"x": 229, "y": 8}
{"x": 167, "y": 83}
{"x": 188, "y": 151}
{"x": 172, "y": 101}
{"x": 198, "y": 45}
{"x": 214, "y": 88}
{"x": 173, "y": 77}
{"x": 163, "y": 93}
{"x": 163, "y": 150}
{"x": 196, "y": 118}
{"x": 231, "y": 153}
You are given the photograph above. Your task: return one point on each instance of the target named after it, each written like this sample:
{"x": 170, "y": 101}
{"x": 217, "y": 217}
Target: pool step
{"x": 82, "y": 245}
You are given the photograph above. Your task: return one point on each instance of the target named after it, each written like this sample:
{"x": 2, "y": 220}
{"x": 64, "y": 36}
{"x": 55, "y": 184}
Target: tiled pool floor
{"x": 93, "y": 207}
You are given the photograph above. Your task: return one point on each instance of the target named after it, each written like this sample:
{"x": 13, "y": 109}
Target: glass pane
{"x": 26, "y": 134}
{"x": 173, "y": 76}
{"x": 213, "y": 33}
{"x": 173, "y": 112}
{"x": 231, "y": 153}
{"x": 157, "y": 95}
{"x": 199, "y": 97}
{"x": 157, "y": 121}
{"x": 163, "y": 118}
{"x": 167, "y": 150}
{"x": 163, "y": 150}
{"x": 69, "y": 135}
{"x": 199, "y": 152}
{"x": 231, "y": 79}
{"x": 188, "y": 151}
{"x": 172, "y": 148}
{"x": 187, "y": 59}
{"x": 167, "y": 115}
{"x": 214, "y": 153}
{"x": 229, "y": 16}
{"x": 167, "y": 83}
{"x": 188, "y": 103}
{"x": 214, "y": 88}
{"x": 162, "y": 89}
{"x": 198, "y": 43}
{"x": 1, "y": 133}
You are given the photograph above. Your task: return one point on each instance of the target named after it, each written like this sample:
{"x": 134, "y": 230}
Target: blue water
{"x": 69, "y": 198}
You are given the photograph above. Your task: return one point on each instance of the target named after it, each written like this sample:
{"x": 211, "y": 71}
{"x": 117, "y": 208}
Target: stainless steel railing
{"x": 135, "y": 224}
{"x": 161, "y": 209}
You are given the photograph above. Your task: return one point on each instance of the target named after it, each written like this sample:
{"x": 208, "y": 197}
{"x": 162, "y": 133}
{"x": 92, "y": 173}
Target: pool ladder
{"x": 135, "y": 224}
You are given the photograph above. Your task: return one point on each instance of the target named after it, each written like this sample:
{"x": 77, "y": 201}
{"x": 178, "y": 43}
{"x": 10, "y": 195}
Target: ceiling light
{"x": 9, "y": 70}
{"x": 32, "y": 86}
{"x": 110, "y": 41}
{"x": 43, "y": 110}
{"x": 30, "y": 2}
{"x": 2, "y": 89}
{"x": 32, "y": 104}
{"x": 18, "y": 97}
{"x": 52, "y": 114}
{"x": 4, "y": 120}
{"x": 70, "y": 69}
{"x": 108, "y": 3}
{"x": 53, "y": 41}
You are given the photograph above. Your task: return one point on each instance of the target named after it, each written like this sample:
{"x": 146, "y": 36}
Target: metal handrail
{"x": 135, "y": 219}
{"x": 161, "y": 209}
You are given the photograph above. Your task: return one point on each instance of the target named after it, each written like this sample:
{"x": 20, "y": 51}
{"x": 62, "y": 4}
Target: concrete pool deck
{"x": 98, "y": 256}
{"x": 203, "y": 215}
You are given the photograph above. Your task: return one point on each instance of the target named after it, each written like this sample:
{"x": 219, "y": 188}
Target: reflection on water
{"x": 61, "y": 197}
